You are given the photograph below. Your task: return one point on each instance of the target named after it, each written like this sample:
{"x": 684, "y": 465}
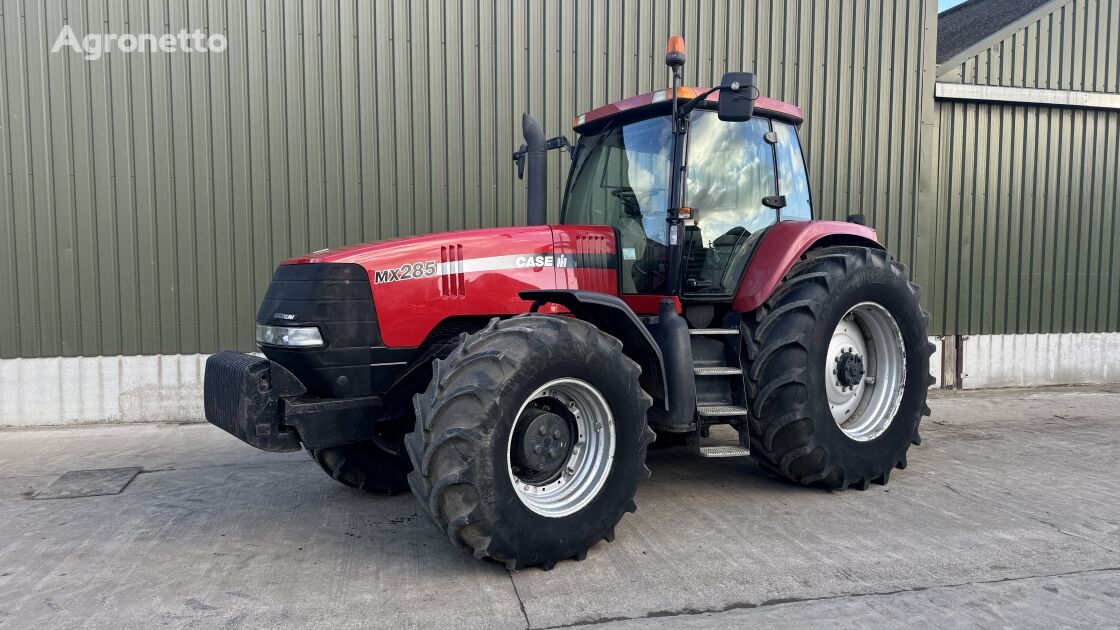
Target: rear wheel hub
{"x": 849, "y": 369}
{"x": 545, "y": 443}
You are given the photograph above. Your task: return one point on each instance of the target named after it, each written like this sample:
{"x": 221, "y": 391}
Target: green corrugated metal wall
{"x": 146, "y": 197}
{"x": 1028, "y": 208}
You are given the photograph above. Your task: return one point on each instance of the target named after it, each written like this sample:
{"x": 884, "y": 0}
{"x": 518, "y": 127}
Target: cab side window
{"x": 792, "y": 179}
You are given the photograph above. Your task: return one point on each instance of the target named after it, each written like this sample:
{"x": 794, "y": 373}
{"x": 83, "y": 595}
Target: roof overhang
{"x": 1025, "y": 96}
{"x": 650, "y": 100}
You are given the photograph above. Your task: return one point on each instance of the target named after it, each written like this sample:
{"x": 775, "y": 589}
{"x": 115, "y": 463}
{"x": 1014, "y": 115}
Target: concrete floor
{"x": 1009, "y": 515}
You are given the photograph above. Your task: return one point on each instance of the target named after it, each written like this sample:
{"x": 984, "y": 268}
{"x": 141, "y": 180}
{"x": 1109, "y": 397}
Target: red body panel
{"x": 418, "y": 282}
{"x": 780, "y": 249}
{"x": 649, "y": 304}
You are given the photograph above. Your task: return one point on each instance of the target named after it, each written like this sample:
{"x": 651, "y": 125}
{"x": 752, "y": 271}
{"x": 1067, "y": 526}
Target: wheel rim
{"x": 583, "y": 455}
{"x": 865, "y": 371}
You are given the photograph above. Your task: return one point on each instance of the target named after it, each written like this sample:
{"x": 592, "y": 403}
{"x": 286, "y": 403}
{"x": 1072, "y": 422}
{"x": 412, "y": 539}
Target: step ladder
{"x": 720, "y": 387}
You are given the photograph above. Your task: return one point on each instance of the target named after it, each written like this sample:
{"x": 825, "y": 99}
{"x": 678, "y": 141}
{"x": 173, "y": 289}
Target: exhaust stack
{"x": 534, "y": 152}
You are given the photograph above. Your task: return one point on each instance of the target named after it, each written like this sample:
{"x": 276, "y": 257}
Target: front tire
{"x": 365, "y": 466}
{"x": 837, "y": 365}
{"x": 530, "y": 440}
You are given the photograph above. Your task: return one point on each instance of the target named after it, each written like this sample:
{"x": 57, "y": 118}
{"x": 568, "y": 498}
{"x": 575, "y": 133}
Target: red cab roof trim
{"x": 764, "y": 104}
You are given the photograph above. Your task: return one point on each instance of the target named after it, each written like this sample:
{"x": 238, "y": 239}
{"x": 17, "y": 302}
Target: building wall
{"x": 145, "y": 198}
{"x": 1028, "y": 206}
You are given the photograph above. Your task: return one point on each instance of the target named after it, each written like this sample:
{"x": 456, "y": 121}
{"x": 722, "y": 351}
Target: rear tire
{"x": 364, "y": 466}
{"x": 473, "y": 424}
{"x": 810, "y": 424}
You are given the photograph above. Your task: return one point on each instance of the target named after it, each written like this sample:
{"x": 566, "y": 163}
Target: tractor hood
{"x": 421, "y": 282}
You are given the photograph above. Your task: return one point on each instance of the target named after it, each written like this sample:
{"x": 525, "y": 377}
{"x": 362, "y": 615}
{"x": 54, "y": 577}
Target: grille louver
{"x": 451, "y": 281}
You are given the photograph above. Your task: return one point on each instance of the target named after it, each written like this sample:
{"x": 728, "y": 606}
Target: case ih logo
{"x": 542, "y": 261}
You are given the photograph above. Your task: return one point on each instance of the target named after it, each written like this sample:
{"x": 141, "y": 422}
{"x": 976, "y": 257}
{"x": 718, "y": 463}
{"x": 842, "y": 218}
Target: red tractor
{"x": 514, "y": 377}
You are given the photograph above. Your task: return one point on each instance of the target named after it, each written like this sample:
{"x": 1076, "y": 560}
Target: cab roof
{"x": 768, "y": 106}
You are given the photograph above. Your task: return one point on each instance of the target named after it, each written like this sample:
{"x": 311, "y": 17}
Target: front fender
{"x": 611, "y": 315}
{"x": 783, "y": 245}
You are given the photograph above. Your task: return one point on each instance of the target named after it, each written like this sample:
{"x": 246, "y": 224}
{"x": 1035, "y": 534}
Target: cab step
{"x": 713, "y": 331}
{"x": 723, "y": 451}
{"x": 721, "y": 410}
{"x": 717, "y": 371}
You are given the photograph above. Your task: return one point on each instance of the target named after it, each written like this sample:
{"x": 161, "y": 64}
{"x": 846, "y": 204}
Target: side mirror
{"x": 737, "y": 94}
{"x": 519, "y": 159}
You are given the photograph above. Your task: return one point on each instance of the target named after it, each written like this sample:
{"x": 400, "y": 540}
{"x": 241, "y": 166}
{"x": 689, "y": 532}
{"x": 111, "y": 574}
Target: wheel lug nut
{"x": 537, "y": 449}
{"x": 543, "y": 430}
{"x": 556, "y": 434}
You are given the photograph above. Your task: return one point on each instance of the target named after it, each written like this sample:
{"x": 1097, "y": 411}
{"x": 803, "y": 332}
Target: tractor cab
{"x": 739, "y": 177}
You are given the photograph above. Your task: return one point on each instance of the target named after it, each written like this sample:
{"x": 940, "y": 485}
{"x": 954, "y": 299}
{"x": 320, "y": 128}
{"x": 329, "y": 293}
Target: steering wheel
{"x": 629, "y": 198}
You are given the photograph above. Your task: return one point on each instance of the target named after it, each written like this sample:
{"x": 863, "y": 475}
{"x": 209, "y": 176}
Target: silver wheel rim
{"x": 588, "y": 463}
{"x": 865, "y": 408}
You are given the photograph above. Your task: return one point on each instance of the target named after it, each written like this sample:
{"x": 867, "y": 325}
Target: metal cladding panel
{"x": 1028, "y": 220}
{"x": 1028, "y": 211}
{"x": 145, "y": 198}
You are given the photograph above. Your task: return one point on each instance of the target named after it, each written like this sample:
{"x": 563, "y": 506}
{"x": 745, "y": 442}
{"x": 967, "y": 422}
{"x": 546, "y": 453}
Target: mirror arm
{"x": 559, "y": 142}
{"x": 686, "y": 109}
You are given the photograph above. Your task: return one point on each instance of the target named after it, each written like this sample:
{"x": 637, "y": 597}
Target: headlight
{"x": 302, "y": 336}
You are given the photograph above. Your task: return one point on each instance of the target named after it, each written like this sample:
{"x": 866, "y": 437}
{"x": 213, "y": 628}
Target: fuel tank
{"x": 418, "y": 282}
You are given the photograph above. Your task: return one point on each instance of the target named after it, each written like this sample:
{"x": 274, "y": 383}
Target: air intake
{"x": 451, "y": 281}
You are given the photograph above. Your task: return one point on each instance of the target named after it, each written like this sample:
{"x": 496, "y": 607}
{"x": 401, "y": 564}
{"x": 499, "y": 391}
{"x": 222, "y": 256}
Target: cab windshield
{"x": 621, "y": 178}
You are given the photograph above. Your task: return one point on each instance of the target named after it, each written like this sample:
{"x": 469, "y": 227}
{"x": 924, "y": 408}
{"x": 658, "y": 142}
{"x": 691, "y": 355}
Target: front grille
{"x": 336, "y": 297}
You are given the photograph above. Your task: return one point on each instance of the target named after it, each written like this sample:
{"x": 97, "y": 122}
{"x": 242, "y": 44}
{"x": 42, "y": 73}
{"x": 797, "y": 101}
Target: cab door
{"x": 742, "y": 177}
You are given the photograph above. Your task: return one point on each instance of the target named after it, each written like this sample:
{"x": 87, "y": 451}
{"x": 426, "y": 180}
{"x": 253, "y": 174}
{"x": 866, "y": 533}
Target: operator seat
{"x": 632, "y": 238}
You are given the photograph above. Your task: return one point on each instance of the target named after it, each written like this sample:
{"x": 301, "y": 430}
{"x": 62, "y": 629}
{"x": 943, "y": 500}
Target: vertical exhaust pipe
{"x": 535, "y": 152}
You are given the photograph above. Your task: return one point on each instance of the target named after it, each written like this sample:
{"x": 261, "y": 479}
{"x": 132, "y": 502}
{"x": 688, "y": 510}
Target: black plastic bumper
{"x": 264, "y": 405}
